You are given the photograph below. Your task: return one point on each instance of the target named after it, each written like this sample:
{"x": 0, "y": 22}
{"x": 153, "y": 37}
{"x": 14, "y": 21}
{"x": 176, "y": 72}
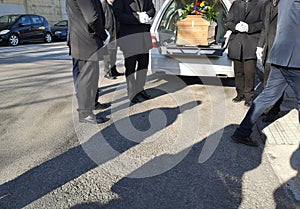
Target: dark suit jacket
{"x": 138, "y": 38}
{"x": 268, "y": 32}
{"x": 242, "y": 46}
{"x": 110, "y": 23}
{"x": 286, "y": 48}
{"x": 86, "y": 25}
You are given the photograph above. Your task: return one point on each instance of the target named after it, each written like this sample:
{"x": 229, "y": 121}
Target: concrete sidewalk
{"x": 282, "y": 147}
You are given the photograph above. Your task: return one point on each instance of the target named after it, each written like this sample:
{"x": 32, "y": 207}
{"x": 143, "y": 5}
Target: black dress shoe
{"x": 238, "y": 99}
{"x": 92, "y": 119}
{"x": 116, "y": 74}
{"x": 244, "y": 140}
{"x": 101, "y": 106}
{"x": 247, "y": 103}
{"x": 145, "y": 95}
{"x": 135, "y": 100}
{"x": 111, "y": 77}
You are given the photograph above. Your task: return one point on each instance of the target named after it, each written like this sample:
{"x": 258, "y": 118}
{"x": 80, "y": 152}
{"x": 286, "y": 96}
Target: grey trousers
{"x": 87, "y": 86}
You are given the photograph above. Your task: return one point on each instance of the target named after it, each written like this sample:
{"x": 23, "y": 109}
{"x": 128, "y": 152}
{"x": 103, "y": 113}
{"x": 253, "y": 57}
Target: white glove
{"x": 239, "y": 27}
{"x": 259, "y": 52}
{"x": 144, "y": 18}
{"x": 107, "y": 39}
{"x": 242, "y": 27}
{"x": 245, "y": 26}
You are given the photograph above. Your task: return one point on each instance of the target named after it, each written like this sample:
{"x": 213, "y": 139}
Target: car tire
{"x": 48, "y": 38}
{"x": 13, "y": 40}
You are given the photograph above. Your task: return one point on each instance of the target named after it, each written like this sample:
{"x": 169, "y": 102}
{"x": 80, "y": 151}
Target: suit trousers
{"x": 87, "y": 86}
{"x": 75, "y": 76}
{"x": 75, "y": 73}
{"x": 109, "y": 61}
{"x": 279, "y": 79}
{"x": 244, "y": 78}
{"x": 276, "y": 108}
{"x": 136, "y": 67}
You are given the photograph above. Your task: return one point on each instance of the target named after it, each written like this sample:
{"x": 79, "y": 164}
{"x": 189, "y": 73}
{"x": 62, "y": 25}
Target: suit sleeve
{"x": 122, "y": 16}
{"x": 151, "y": 12}
{"x": 257, "y": 26}
{"x": 93, "y": 16}
{"x": 106, "y": 14}
{"x": 262, "y": 38}
{"x": 230, "y": 21}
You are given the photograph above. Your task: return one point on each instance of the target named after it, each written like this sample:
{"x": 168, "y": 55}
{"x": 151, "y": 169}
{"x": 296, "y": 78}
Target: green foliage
{"x": 200, "y": 8}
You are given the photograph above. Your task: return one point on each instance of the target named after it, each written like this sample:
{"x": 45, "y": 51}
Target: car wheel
{"x": 48, "y": 38}
{"x": 13, "y": 40}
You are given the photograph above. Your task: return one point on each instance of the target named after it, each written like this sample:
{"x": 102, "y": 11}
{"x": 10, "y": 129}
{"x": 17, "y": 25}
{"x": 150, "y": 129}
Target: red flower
{"x": 198, "y": 2}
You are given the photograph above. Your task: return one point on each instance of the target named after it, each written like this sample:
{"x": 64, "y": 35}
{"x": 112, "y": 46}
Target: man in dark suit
{"x": 134, "y": 17}
{"x": 245, "y": 21}
{"x": 285, "y": 69}
{"x": 87, "y": 36}
{"x": 111, "y": 25}
{"x": 265, "y": 43}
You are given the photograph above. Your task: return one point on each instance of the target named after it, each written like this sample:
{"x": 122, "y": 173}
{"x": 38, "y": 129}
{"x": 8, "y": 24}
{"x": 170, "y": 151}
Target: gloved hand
{"x": 144, "y": 18}
{"x": 107, "y": 39}
{"x": 242, "y": 27}
{"x": 245, "y": 26}
{"x": 259, "y": 52}
{"x": 239, "y": 27}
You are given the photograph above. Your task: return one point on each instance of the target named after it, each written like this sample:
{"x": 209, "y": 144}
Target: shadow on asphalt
{"x": 56, "y": 172}
{"x": 216, "y": 183}
{"x": 291, "y": 184}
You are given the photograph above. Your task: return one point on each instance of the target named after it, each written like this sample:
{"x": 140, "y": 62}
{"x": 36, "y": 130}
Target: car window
{"x": 25, "y": 20}
{"x": 36, "y": 20}
{"x": 9, "y": 19}
{"x": 168, "y": 23}
{"x": 61, "y": 24}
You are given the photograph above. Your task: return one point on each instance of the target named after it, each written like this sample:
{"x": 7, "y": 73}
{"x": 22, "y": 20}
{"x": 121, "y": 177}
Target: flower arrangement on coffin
{"x": 197, "y": 24}
{"x": 200, "y": 8}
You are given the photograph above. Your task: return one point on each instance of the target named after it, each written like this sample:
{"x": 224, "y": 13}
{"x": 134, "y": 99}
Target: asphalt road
{"x": 171, "y": 152}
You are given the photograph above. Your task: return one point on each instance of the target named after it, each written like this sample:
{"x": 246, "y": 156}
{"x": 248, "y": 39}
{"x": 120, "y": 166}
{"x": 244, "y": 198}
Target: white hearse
{"x": 167, "y": 57}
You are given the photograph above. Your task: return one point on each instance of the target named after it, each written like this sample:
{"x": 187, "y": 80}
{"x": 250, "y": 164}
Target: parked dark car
{"x": 20, "y": 28}
{"x": 60, "y": 30}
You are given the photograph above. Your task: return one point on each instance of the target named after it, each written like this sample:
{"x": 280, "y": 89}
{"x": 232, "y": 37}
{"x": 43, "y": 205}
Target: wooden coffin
{"x": 195, "y": 31}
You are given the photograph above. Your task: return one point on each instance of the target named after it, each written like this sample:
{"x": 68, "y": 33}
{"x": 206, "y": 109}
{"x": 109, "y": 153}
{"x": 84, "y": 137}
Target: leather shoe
{"x": 238, "y": 99}
{"x": 92, "y": 119}
{"x": 135, "y": 100}
{"x": 116, "y": 74}
{"x": 145, "y": 95}
{"x": 244, "y": 140}
{"x": 111, "y": 77}
{"x": 101, "y": 106}
{"x": 247, "y": 103}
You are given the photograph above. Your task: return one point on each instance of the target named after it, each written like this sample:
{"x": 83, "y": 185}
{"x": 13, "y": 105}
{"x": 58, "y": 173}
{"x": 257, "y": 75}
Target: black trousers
{"x": 244, "y": 78}
{"x": 86, "y": 84}
{"x": 136, "y": 67}
{"x": 109, "y": 61}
